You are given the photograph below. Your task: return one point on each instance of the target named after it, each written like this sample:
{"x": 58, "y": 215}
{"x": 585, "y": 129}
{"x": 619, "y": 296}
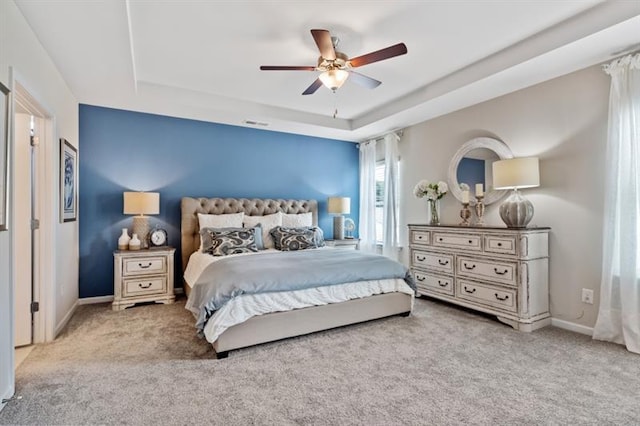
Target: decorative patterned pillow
{"x": 207, "y": 241}
{"x": 268, "y": 222}
{"x": 297, "y": 220}
{"x": 302, "y": 238}
{"x": 231, "y": 241}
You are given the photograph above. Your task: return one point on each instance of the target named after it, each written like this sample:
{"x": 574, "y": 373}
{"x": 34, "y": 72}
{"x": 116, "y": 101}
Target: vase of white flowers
{"x": 433, "y": 192}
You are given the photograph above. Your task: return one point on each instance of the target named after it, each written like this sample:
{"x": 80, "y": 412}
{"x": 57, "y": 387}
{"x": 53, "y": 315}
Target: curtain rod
{"x": 398, "y": 132}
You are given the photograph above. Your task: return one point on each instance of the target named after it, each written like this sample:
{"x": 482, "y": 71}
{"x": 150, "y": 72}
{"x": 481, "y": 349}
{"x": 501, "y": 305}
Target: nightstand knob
{"x": 145, "y": 286}
{"x": 148, "y": 265}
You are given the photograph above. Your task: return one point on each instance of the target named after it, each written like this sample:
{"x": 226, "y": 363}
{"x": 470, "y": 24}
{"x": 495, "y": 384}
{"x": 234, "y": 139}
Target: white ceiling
{"x": 200, "y": 59}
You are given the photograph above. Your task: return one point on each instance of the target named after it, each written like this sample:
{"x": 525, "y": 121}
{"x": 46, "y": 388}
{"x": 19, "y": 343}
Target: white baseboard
{"x": 571, "y": 326}
{"x": 66, "y": 319}
{"x": 94, "y": 300}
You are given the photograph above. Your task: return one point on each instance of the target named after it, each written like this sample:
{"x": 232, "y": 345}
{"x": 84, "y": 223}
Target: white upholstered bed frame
{"x": 280, "y": 325}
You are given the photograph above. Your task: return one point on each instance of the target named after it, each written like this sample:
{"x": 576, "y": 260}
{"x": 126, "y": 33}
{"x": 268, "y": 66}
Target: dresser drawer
{"x": 485, "y": 294}
{"x": 433, "y": 282}
{"x": 420, "y": 237}
{"x": 144, "y": 286}
{"x": 438, "y": 261}
{"x": 469, "y": 242}
{"x": 502, "y": 244}
{"x": 503, "y": 272}
{"x": 144, "y": 265}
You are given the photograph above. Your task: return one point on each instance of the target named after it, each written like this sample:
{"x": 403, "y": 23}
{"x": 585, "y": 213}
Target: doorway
{"x": 32, "y": 142}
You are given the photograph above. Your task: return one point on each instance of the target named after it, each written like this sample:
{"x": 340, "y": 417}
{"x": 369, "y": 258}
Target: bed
{"x": 354, "y": 301}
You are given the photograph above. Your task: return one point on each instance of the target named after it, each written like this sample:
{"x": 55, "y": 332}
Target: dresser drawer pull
{"x": 421, "y": 258}
{"x": 420, "y": 278}
{"x": 469, "y": 268}
{"x": 443, "y": 284}
{"x": 470, "y": 241}
{"x": 147, "y": 266}
{"x": 419, "y": 237}
{"x": 443, "y": 262}
{"x": 501, "y": 298}
{"x": 145, "y": 286}
{"x": 499, "y": 244}
{"x": 440, "y": 239}
{"x": 469, "y": 291}
{"x": 500, "y": 273}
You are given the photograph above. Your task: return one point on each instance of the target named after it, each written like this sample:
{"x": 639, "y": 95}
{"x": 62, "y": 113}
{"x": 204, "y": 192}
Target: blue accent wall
{"x": 471, "y": 171}
{"x": 130, "y": 151}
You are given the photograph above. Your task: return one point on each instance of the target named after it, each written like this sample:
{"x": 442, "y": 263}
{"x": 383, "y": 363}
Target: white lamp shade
{"x": 334, "y": 79}
{"x": 516, "y": 173}
{"x": 339, "y": 205}
{"x": 141, "y": 203}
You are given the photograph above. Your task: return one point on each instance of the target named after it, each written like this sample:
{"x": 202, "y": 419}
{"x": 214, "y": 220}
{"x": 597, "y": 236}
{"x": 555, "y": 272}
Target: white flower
{"x": 433, "y": 191}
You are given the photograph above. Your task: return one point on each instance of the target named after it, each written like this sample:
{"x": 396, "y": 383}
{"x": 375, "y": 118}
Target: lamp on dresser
{"x": 141, "y": 203}
{"x": 339, "y": 206}
{"x": 516, "y": 173}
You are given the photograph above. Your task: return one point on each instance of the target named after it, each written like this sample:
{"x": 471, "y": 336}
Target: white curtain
{"x": 391, "y": 246}
{"x": 367, "y": 227}
{"x": 619, "y": 314}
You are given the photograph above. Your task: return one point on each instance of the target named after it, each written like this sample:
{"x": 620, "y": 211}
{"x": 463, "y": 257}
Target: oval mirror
{"x": 473, "y": 164}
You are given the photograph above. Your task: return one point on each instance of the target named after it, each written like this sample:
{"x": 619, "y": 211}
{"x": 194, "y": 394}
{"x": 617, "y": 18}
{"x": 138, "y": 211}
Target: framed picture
{"x": 4, "y": 157}
{"x": 68, "y": 182}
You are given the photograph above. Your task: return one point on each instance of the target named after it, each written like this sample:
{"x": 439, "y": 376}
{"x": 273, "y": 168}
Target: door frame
{"x": 47, "y": 182}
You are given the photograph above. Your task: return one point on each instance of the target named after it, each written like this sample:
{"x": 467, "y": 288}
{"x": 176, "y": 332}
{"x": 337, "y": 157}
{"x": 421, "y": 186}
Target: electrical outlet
{"x": 587, "y": 296}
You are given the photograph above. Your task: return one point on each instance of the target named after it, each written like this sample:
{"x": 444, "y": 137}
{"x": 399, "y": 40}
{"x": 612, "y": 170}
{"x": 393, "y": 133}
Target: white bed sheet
{"x": 240, "y": 309}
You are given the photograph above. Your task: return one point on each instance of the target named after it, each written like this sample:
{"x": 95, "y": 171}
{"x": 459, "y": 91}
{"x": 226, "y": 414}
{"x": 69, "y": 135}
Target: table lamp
{"x": 516, "y": 173}
{"x": 141, "y": 203}
{"x": 339, "y": 206}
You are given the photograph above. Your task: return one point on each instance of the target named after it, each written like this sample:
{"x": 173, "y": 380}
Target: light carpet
{"x": 442, "y": 365}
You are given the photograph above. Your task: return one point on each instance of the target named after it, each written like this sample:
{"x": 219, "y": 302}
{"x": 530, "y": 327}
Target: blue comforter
{"x": 233, "y": 276}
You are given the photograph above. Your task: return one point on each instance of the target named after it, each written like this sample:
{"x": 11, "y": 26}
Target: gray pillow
{"x": 207, "y": 242}
{"x": 230, "y": 241}
{"x": 302, "y": 238}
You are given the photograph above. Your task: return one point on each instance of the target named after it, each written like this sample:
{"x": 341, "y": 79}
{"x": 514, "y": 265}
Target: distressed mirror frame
{"x": 4, "y": 157}
{"x": 500, "y": 148}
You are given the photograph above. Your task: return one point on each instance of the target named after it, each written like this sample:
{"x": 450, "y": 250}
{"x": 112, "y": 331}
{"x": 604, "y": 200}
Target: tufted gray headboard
{"x": 190, "y": 207}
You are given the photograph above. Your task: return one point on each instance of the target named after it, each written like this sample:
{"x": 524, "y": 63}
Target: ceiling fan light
{"x": 334, "y": 79}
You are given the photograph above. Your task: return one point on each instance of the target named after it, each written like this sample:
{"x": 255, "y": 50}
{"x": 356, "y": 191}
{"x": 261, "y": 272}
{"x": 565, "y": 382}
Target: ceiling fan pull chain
{"x": 335, "y": 103}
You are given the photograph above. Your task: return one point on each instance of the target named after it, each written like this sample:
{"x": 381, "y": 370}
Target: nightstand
{"x": 346, "y": 244}
{"x": 142, "y": 276}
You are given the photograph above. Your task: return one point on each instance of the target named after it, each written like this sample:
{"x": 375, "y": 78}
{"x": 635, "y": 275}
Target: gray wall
{"x": 564, "y": 123}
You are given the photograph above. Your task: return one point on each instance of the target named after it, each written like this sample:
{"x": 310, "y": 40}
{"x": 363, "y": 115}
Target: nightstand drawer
{"x": 144, "y": 286}
{"x": 433, "y": 282}
{"x": 454, "y": 240}
{"x": 438, "y": 261}
{"x": 420, "y": 237}
{"x": 145, "y": 266}
{"x": 496, "y": 297}
{"x": 503, "y": 272}
{"x": 500, "y": 244}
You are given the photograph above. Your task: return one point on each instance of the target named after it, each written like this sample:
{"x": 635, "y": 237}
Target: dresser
{"x": 142, "y": 276}
{"x": 500, "y": 271}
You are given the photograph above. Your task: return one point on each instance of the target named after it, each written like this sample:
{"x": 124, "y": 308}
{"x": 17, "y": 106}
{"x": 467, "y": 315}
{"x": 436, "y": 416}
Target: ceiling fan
{"x": 336, "y": 67}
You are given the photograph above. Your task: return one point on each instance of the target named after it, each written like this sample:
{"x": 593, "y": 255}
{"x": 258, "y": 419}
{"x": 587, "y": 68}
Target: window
{"x": 380, "y": 169}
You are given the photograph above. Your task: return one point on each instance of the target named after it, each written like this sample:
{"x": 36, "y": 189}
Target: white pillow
{"x": 268, "y": 222}
{"x": 297, "y": 220}
{"x": 233, "y": 220}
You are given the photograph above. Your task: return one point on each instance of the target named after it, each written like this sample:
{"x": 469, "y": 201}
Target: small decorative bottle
{"x": 123, "y": 241}
{"x": 134, "y": 244}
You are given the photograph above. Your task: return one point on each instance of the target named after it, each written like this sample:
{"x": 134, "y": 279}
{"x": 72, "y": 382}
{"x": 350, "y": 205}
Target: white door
{"x": 24, "y": 162}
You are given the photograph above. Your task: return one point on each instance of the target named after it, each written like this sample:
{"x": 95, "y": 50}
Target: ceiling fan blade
{"x": 324, "y": 43}
{"x": 314, "y": 86}
{"x": 363, "y": 80}
{"x": 379, "y": 55}
{"x": 286, "y": 68}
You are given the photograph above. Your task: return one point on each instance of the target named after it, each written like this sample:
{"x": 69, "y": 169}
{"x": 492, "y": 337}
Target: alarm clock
{"x": 158, "y": 237}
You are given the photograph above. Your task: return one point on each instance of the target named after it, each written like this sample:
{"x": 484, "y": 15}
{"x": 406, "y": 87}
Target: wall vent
{"x": 255, "y": 123}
